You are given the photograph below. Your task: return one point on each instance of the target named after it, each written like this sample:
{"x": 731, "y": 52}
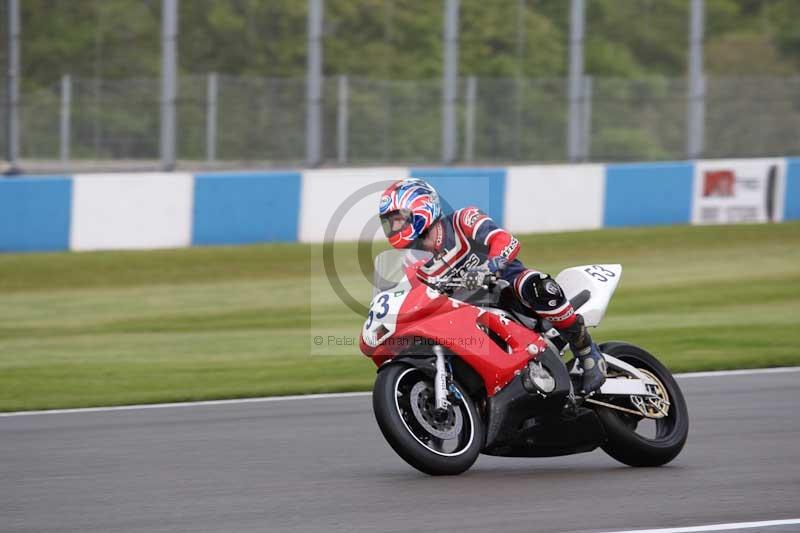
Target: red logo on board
{"x": 719, "y": 183}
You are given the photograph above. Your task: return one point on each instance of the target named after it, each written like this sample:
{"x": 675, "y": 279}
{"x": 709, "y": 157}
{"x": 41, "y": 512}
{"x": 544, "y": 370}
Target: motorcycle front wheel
{"x": 445, "y": 443}
{"x": 671, "y": 428}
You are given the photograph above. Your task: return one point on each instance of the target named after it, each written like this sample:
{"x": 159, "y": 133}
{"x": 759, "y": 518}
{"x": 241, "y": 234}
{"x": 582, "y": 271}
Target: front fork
{"x": 440, "y": 381}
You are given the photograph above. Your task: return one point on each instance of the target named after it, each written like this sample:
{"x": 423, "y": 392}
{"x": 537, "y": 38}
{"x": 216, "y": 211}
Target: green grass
{"x": 107, "y": 328}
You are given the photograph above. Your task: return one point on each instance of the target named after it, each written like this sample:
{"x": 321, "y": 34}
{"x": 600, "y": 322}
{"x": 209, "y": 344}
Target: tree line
{"x": 401, "y": 39}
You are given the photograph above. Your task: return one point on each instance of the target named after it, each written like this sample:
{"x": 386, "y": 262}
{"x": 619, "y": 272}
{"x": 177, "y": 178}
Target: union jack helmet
{"x": 407, "y": 209}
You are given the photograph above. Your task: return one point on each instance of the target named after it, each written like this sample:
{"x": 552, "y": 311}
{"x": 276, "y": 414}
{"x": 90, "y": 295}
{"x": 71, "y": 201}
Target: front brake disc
{"x": 422, "y": 405}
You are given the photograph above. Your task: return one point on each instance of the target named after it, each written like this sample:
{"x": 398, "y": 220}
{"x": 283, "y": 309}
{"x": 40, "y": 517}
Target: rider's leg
{"x": 540, "y": 293}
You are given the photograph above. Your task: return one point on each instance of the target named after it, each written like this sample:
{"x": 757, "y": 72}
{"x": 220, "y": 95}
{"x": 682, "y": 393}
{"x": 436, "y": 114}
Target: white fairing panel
{"x": 600, "y": 280}
{"x": 381, "y": 321}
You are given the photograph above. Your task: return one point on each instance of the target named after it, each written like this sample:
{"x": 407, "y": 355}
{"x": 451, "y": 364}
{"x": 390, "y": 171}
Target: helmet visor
{"x": 395, "y": 221}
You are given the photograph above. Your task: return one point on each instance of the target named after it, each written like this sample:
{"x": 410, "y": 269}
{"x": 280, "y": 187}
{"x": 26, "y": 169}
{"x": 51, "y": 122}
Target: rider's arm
{"x": 503, "y": 244}
{"x": 478, "y": 226}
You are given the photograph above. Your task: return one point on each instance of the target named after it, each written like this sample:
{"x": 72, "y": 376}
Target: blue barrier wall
{"x": 240, "y": 208}
{"x": 648, "y": 194}
{"x": 792, "y": 206}
{"x": 460, "y": 187}
{"x": 35, "y": 213}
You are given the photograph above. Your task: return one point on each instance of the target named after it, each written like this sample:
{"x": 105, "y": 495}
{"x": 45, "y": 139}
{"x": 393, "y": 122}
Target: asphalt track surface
{"x": 322, "y": 465}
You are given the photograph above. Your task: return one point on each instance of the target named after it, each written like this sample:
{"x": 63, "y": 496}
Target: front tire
{"x": 402, "y": 400}
{"x": 624, "y": 443}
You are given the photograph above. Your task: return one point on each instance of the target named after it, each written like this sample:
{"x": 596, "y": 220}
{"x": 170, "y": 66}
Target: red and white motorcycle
{"x": 467, "y": 372}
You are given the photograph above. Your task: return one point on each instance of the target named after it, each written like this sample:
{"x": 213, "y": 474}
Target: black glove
{"x": 497, "y": 263}
{"x": 473, "y": 279}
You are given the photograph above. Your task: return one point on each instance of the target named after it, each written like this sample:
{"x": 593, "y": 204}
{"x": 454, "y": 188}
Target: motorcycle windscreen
{"x": 390, "y": 267}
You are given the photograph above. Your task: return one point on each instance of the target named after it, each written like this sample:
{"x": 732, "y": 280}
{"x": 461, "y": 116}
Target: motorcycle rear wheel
{"x": 402, "y": 400}
{"x": 627, "y": 446}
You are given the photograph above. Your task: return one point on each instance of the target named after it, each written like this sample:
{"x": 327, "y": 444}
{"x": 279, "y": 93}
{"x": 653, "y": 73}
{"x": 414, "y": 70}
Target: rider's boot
{"x": 591, "y": 360}
{"x": 594, "y": 369}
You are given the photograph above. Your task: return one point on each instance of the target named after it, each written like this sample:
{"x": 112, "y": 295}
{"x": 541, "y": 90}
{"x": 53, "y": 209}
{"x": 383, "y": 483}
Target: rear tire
{"x": 412, "y": 432}
{"x": 627, "y": 446}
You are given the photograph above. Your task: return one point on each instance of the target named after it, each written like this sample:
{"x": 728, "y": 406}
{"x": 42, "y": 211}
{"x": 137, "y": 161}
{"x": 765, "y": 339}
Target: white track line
{"x": 715, "y": 527}
{"x": 746, "y": 372}
{"x": 189, "y": 404}
{"x": 722, "y": 373}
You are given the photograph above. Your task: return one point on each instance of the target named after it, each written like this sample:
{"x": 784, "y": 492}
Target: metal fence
{"x": 4, "y": 61}
{"x": 212, "y": 121}
{"x": 229, "y": 120}
{"x": 752, "y": 116}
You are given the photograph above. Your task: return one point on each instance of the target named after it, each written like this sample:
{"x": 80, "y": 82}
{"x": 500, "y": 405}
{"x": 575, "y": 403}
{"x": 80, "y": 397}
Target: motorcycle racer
{"x": 471, "y": 243}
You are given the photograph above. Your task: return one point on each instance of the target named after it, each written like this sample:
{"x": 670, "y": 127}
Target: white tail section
{"x": 600, "y": 280}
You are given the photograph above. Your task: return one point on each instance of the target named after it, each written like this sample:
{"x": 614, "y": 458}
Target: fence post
{"x": 469, "y": 122}
{"x": 387, "y": 119}
{"x": 342, "y": 119}
{"x": 576, "y": 36}
{"x": 168, "y": 82}
{"x": 211, "y": 117}
{"x": 66, "y": 104}
{"x": 586, "y": 119}
{"x": 314, "y": 84}
{"x": 449, "y": 88}
{"x": 696, "y": 106}
{"x": 518, "y": 80}
{"x": 518, "y": 90}
{"x": 13, "y": 87}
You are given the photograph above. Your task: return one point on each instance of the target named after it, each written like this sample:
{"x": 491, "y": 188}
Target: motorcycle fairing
{"x": 553, "y": 435}
{"x": 456, "y": 328}
{"x": 395, "y": 326}
{"x": 384, "y": 310}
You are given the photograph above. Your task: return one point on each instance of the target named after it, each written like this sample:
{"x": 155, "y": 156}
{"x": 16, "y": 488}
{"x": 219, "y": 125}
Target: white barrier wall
{"x": 131, "y": 211}
{"x": 325, "y": 191}
{"x": 554, "y": 198}
{"x": 173, "y": 210}
{"x": 729, "y": 191}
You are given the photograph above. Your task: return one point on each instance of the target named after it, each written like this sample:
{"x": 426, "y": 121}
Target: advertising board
{"x": 731, "y": 191}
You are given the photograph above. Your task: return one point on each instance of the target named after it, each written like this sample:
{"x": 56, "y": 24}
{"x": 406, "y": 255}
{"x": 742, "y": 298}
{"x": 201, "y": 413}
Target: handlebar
{"x": 449, "y": 283}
